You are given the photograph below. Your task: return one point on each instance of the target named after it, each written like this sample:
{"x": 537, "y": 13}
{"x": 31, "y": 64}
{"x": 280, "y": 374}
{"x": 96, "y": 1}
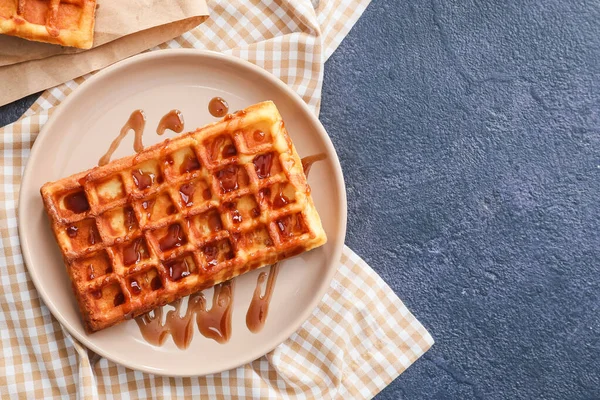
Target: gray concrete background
{"x": 468, "y": 133}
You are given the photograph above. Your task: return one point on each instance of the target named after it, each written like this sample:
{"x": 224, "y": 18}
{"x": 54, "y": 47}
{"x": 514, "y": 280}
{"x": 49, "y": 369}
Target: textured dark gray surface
{"x": 11, "y": 112}
{"x": 468, "y": 133}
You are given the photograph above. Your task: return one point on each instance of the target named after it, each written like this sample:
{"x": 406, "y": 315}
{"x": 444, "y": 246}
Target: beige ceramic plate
{"x": 81, "y": 130}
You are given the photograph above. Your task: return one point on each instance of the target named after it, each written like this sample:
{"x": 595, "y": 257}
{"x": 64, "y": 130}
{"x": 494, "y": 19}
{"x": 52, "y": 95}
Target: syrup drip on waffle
{"x": 77, "y": 202}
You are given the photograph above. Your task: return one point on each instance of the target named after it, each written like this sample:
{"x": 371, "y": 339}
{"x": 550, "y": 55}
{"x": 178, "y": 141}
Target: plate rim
{"x": 238, "y": 63}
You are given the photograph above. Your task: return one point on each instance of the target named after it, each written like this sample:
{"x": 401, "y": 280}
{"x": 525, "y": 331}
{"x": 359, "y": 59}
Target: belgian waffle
{"x": 64, "y": 22}
{"x": 182, "y": 216}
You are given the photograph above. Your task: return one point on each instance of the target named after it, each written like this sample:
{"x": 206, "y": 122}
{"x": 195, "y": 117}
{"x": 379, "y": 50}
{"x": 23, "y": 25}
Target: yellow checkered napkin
{"x": 357, "y": 341}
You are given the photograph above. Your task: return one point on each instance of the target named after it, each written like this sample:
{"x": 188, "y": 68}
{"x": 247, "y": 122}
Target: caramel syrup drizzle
{"x": 218, "y": 107}
{"x": 213, "y": 323}
{"x": 308, "y": 161}
{"x": 137, "y": 123}
{"x": 216, "y": 323}
{"x": 259, "y": 306}
{"x": 173, "y": 120}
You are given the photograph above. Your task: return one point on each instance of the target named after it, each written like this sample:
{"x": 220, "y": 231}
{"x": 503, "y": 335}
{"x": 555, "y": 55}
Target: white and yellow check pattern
{"x": 356, "y": 342}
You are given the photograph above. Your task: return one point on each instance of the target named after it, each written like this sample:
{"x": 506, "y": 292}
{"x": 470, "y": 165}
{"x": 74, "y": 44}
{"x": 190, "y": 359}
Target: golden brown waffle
{"x": 64, "y": 22}
{"x": 182, "y": 216}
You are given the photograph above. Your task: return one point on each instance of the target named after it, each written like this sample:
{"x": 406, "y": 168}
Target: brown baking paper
{"x": 123, "y": 28}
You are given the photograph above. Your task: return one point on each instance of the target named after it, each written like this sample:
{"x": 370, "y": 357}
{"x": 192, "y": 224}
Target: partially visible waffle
{"x": 64, "y": 22}
{"x": 182, "y": 216}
